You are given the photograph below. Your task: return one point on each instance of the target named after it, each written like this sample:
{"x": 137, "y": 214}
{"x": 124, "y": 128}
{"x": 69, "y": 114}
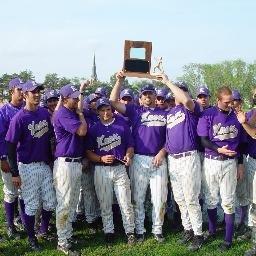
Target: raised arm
{"x": 180, "y": 95}
{"x": 114, "y": 95}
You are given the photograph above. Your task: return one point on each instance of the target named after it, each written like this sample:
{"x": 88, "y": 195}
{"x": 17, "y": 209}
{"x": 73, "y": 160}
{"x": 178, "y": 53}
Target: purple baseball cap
{"x": 147, "y": 88}
{"x": 69, "y": 91}
{"x": 102, "y": 102}
{"x": 31, "y": 85}
{"x": 92, "y": 97}
{"x": 182, "y": 85}
{"x": 169, "y": 96}
{"x": 51, "y": 94}
{"x": 126, "y": 93}
{"x": 236, "y": 95}
{"x": 15, "y": 83}
{"x": 202, "y": 90}
{"x": 161, "y": 93}
{"x": 101, "y": 91}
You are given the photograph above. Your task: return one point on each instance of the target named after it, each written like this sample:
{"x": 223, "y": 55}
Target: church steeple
{"x": 94, "y": 73}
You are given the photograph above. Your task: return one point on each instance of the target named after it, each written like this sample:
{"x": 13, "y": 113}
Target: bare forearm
{"x": 93, "y": 156}
{"x": 250, "y": 130}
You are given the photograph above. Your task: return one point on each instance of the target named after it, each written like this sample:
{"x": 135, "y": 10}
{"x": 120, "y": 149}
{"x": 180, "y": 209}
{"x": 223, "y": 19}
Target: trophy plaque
{"x": 137, "y": 59}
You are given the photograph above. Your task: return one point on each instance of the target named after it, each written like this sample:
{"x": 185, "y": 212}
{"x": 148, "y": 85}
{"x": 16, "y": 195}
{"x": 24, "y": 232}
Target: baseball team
{"x": 75, "y": 156}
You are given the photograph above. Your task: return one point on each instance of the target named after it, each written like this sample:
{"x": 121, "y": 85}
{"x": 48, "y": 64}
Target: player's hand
{"x": 127, "y": 160}
{"x": 16, "y": 181}
{"x": 120, "y": 75}
{"x": 108, "y": 159}
{"x": 163, "y": 78}
{"x": 84, "y": 84}
{"x": 225, "y": 151}
{"x": 4, "y": 166}
{"x": 241, "y": 117}
{"x": 59, "y": 104}
{"x": 240, "y": 172}
{"x": 159, "y": 158}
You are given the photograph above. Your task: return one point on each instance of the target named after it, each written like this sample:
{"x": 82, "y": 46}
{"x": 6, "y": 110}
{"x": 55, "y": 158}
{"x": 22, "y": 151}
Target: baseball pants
{"x": 105, "y": 179}
{"x": 185, "y": 177}
{"x": 10, "y": 192}
{"x": 250, "y": 170}
{"x": 37, "y": 187}
{"x": 142, "y": 174}
{"x": 91, "y": 204}
{"x": 67, "y": 181}
{"x": 220, "y": 178}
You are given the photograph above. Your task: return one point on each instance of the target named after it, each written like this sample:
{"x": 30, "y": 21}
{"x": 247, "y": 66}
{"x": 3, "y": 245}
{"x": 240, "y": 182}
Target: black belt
{"x": 177, "y": 156}
{"x": 114, "y": 163}
{"x": 219, "y": 158}
{"x": 73, "y": 160}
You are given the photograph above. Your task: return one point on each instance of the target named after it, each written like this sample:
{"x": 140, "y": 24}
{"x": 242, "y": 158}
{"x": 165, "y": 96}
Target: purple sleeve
{"x": 3, "y": 130}
{"x": 131, "y": 111}
{"x": 129, "y": 137}
{"x": 198, "y": 109}
{"x": 14, "y": 131}
{"x": 89, "y": 141}
{"x": 70, "y": 124}
{"x": 202, "y": 126}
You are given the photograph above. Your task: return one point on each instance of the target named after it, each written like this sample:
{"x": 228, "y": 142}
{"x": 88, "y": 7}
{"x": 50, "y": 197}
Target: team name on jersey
{"x": 223, "y": 133}
{"x": 37, "y": 130}
{"x": 108, "y": 143}
{"x": 149, "y": 120}
{"x": 173, "y": 120}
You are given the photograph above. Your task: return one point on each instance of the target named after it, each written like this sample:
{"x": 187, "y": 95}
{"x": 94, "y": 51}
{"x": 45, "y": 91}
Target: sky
{"x": 61, "y": 36}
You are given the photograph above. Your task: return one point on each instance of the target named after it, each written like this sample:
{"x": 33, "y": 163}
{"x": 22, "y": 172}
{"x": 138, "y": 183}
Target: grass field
{"x": 94, "y": 244}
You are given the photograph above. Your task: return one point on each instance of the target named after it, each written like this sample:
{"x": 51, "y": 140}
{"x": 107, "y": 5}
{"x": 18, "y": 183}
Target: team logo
{"x": 108, "y": 143}
{"x": 150, "y": 120}
{"x": 39, "y": 129}
{"x": 224, "y": 133}
{"x": 177, "y": 118}
{"x": 73, "y": 88}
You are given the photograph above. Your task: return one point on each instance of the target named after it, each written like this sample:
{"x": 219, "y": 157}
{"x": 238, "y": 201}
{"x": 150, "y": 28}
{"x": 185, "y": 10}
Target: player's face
{"x": 105, "y": 113}
{"x": 17, "y": 96}
{"x": 71, "y": 103}
{"x": 148, "y": 99}
{"x": 160, "y": 102}
{"x": 52, "y": 103}
{"x": 126, "y": 100}
{"x": 237, "y": 104}
{"x": 33, "y": 97}
{"x": 203, "y": 100}
{"x": 225, "y": 102}
{"x": 92, "y": 104}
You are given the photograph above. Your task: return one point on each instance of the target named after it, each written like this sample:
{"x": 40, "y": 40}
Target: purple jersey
{"x": 111, "y": 139}
{"x": 221, "y": 128}
{"x": 148, "y": 128}
{"x": 7, "y": 112}
{"x": 91, "y": 117}
{"x": 69, "y": 144}
{"x": 31, "y": 131}
{"x": 181, "y": 135}
{"x": 251, "y": 143}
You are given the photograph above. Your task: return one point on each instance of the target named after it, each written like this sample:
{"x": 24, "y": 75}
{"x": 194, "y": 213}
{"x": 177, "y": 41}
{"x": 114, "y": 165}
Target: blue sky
{"x": 60, "y": 36}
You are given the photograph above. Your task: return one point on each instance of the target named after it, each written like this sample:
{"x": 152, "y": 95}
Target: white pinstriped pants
{"x": 220, "y": 178}
{"x": 185, "y": 177}
{"x": 105, "y": 178}
{"x": 67, "y": 181}
{"x": 143, "y": 173}
{"x": 10, "y": 192}
{"x": 250, "y": 176}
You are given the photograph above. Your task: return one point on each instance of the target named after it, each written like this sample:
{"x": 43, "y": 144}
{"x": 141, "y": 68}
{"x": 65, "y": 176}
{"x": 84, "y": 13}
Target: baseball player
{"x": 249, "y": 123}
{"x": 220, "y": 134}
{"x": 161, "y": 99}
{"x": 170, "y": 100}
{"x": 51, "y": 100}
{"x": 203, "y": 96}
{"x": 184, "y": 164}
{"x": 10, "y": 192}
{"x": 237, "y": 100}
{"x": 70, "y": 129}
{"x": 29, "y": 135}
{"x": 149, "y": 165}
{"x": 101, "y": 92}
{"x": 111, "y": 150}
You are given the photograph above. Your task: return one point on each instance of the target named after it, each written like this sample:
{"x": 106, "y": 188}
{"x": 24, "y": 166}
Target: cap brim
{"x": 74, "y": 95}
{"x": 40, "y": 87}
{"x": 103, "y": 104}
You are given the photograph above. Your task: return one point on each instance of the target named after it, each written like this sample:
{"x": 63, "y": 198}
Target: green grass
{"x": 94, "y": 244}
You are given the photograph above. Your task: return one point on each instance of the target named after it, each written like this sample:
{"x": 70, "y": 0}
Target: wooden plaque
{"x": 137, "y": 67}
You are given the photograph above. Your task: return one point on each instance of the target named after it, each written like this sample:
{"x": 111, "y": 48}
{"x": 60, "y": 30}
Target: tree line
{"x": 236, "y": 74}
